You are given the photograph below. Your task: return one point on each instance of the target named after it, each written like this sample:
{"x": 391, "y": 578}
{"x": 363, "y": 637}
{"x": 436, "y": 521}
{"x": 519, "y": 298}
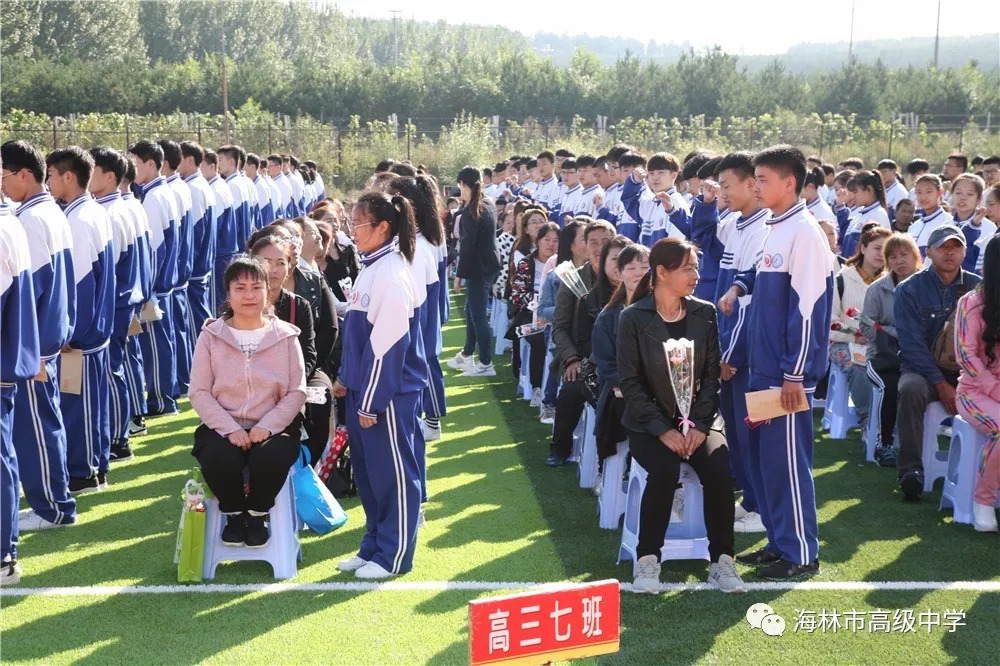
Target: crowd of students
{"x": 776, "y": 266}
{"x": 116, "y": 266}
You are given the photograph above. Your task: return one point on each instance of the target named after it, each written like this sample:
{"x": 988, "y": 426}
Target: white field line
{"x": 474, "y": 586}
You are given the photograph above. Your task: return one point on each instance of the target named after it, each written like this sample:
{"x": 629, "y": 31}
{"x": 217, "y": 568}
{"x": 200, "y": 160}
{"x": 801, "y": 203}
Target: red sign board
{"x": 538, "y": 627}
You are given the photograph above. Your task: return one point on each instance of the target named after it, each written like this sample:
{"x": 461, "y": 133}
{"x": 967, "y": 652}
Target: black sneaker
{"x": 234, "y": 533}
{"x": 102, "y": 480}
{"x": 154, "y": 414}
{"x": 556, "y": 460}
{"x": 886, "y": 457}
{"x": 257, "y": 532}
{"x": 912, "y": 485}
{"x": 137, "y": 428}
{"x": 785, "y": 570}
{"x": 758, "y": 558}
{"x": 78, "y": 485}
{"x": 121, "y": 453}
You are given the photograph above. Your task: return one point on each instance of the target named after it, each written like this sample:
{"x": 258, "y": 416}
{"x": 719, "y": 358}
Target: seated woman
{"x": 273, "y": 253}
{"x": 632, "y": 264}
{"x": 902, "y": 259}
{"x": 977, "y": 349}
{"x": 849, "y": 289}
{"x": 525, "y": 291}
{"x": 340, "y": 261}
{"x": 248, "y": 385}
{"x": 659, "y": 435}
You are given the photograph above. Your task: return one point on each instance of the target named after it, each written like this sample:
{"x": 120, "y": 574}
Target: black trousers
{"x": 887, "y": 413}
{"x": 317, "y": 422}
{"x": 711, "y": 463}
{"x": 268, "y": 463}
{"x": 569, "y": 408}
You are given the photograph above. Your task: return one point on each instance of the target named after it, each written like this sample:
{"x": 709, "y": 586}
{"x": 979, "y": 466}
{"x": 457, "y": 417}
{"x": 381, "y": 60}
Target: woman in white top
{"x": 847, "y": 343}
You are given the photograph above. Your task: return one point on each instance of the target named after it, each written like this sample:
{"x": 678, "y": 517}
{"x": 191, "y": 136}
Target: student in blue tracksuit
{"x": 87, "y": 416}
{"x": 816, "y": 179}
{"x": 134, "y": 376}
{"x": 157, "y": 338}
{"x": 930, "y": 195}
{"x": 280, "y": 175}
{"x": 547, "y": 192}
{"x": 19, "y": 362}
{"x": 227, "y": 243}
{"x": 427, "y": 258}
{"x": 869, "y": 198}
{"x": 185, "y": 261}
{"x": 318, "y": 180}
{"x": 710, "y": 223}
{"x": 109, "y": 171}
{"x": 228, "y": 162}
{"x": 205, "y": 215}
{"x": 966, "y": 194}
{"x": 249, "y": 191}
{"x": 254, "y": 169}
{"x": 789, "y": 332}
{"x": 741, "y": 253}
{"x": 650, "y": 198}
{"x": 39, "y": 433}
{"x": 382, "y": 375}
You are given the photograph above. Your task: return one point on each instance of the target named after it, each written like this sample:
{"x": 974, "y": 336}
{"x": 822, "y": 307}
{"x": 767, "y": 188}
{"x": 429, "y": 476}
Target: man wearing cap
{"x": 922, "y": 304}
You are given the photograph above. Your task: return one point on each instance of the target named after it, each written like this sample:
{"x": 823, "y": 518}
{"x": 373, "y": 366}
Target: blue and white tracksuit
{"x": 288, "y": 207}
{"x": 821, "y": 210}
{"x": 128, "y": 299}
{"x": 789, "y": 330}
{"x": 385, "y": 373}
{"x": 742, "y": 251}
{"x": 922, "y": 228}
{"x": 241, "y": 211}
{"x": 861, "y": 217}
{"x": 548, "y": 193}
{"x": 275, "y": 195}
{"x": 134, "y": 376}
{"x": 973, "y": 233}
{"x": 249, "y": 191}
{"x": 264, "y": 201}
{"x": 893, "y": 195}
{"x": 586, "y": 206}
{"x": 299, "y": 191}
{"x": 183, "y": 343}
{"x": 88, "y": 416}
{"x": 227, "y": 244}
{"x": 654, "y": 221}
{"x": 20, "y": 358}
{"x": 710, "y": 228}
{"x": 204, "y": 214}
{"x": 157, "y": 338}
{"x": 569, "y": 201}
{"x": 614, "y": 212}
{"x": 39, "y": 433}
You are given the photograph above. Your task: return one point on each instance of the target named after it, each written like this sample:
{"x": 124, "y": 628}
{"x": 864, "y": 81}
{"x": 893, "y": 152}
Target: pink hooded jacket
{"x": 230, "y": 392}
{"x": 977, "y": 373}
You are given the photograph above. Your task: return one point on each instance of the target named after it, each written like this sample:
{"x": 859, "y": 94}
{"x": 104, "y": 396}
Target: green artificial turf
{"x": 496, "y": 513}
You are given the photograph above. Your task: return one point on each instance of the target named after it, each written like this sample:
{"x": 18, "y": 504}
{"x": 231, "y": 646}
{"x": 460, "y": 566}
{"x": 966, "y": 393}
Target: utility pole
{"x": 395, "y": 36}
{"x": 225, "y": 89}
{"x": 937, "y": 34}
{"x": 850, "y": 46}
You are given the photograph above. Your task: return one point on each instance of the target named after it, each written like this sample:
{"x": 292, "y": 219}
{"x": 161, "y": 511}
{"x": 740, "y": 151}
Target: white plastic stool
{"x": 839, "y": 415}
{"x": 588, "y": 456}
{"x": 524, "y": 386}
{"x": 966, "y": 449}
{"x": 686, "y": 539}
{"x": 934, "y": 460}
{"x": 499, "y": 324}
{"x": 578, "y": 435}
{"x": 611, "y": 503}
{"x": 283, "y": 550}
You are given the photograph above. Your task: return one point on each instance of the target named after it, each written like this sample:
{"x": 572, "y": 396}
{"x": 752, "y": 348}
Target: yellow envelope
{"x": 71, "y": 372}
{"x": 134, "y": 327}
{"x": 766, "y": 404}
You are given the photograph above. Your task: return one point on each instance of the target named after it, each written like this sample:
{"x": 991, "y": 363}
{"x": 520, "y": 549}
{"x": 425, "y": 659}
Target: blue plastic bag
{"x": 314, "y": 503}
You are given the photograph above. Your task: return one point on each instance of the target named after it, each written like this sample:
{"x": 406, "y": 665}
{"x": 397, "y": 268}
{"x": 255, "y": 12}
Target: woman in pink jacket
{"x": 248, "y": 386}
{"x": 977, "y": 348}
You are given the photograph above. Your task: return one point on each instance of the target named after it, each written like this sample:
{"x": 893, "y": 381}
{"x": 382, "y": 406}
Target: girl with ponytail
{"x": 869, "y": 197}
{"x": 382, "y": 375}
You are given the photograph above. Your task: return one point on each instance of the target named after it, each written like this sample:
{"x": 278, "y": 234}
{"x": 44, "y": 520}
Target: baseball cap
{"x": 945, "y": 233}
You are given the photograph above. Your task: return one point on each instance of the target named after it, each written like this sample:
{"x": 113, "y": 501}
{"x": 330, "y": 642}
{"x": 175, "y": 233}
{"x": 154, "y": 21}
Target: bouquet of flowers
{"x": 566, "y": 272}
{"x": 680, "y": 367}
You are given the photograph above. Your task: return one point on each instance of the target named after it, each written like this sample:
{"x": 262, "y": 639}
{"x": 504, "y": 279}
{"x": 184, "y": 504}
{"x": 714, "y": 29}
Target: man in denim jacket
{"x": 922, "y": 305}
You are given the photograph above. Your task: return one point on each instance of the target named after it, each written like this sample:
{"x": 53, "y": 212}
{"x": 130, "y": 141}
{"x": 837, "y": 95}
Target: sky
{"x": 744, "y": 27}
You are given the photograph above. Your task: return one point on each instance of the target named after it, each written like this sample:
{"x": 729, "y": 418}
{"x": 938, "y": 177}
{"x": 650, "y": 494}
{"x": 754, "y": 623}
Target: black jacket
{"x": 303, "y": 320}
{"x": 643, "y": 377}
{"x": 478, "y": 252}
{"x": 312, "y": 286}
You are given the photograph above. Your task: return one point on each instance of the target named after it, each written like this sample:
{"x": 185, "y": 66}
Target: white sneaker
{"x": 352, "y": 563}
{"x": 984, "y": 517}
{"x": 751, "y": 522}
{"x": 460, "y": 362}
{"x": 536, "y": 398}
{"x": 480, "y": 370}
{"x": 10, "y": 573}
{"x": 740, "y": 512}
{"x": 29, "y": 521}
{"x": 431, "y": 433}
{"x": 723, "y": 575}
{"x": 548, "y": 414}
{"x": 373, "y": 571}
{"x": 647, "y": 575}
